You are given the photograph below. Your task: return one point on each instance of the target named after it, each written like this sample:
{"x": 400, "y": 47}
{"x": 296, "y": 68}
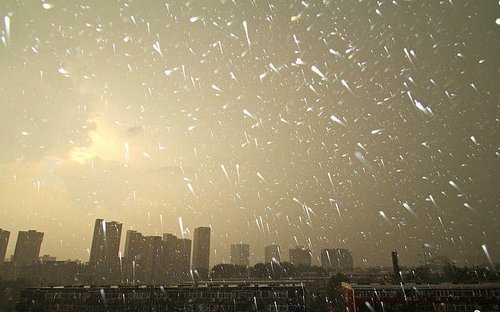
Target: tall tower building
{"x": 151, "y": 260}
{"x": 4, "y": 241}
{"x": 337, "y": 260}
{"x": 201, "y": 251}
{"x": 395, "y": 266}
{"x": 104, "y": 257}
{"x": 177, "y": 258}
{"x": 133, "y": 245}
{"x": 133, "y": 254}
{"x": 300, "y": 256}
{"x": 105, "y": 242}
{"x": 272, "y": 252}
{"x": 240, "y": 254}
{"x": 27, "y": 246}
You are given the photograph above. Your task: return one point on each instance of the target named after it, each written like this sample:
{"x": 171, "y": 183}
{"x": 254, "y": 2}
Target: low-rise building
{"x": 215, "y": 296}
{"x": 441, "y": 297}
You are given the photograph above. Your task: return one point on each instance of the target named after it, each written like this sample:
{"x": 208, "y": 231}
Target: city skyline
{"x": 106, "y": 246}
{"x": 367, "y": 125}
{"x": 328, "y": 257}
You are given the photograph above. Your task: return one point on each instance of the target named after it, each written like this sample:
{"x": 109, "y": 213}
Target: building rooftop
{"x": 230, "y": 284}
{"x": 421, "y": 286}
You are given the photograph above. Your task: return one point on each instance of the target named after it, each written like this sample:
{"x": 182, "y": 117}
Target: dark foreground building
{"x": 444, "y": 297}
{"x": 214, "y": 296}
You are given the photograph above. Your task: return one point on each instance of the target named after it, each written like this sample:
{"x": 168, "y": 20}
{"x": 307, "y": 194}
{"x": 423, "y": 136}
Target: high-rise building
{"x": 27, "y": 247}
{"x": 272, "y": 253}
{"x": 132, "y": 272}
{"x": 177, "y": 257}
{"x": 156, "y": 260}
{"x": 240, "y": 254}
{"x": 4, "y": 241}
{"x": 201, "y": 251}
{"x": 395, "y": 266}
{"x": 104, "y": 252}
{"x": 150, "y": 261}
{"x": 337, "y": 260}
{"x": 133, "y": 245}
{"x": 105, "y": 242}
{"x": 300, "y": 256}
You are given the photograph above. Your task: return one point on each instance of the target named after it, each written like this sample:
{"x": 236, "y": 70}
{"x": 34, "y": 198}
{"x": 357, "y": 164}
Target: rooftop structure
{"x": 223, "y": 296}
{"x": 422, "y": 297}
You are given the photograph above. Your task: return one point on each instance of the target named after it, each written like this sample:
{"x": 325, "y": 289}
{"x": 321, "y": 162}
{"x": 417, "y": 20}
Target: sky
{"x": 367, "y": 125}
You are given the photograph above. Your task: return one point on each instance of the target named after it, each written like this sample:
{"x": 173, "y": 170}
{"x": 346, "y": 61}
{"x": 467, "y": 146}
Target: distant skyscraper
{"x": 150, "y": 262}
{"x": 300, "y": 256}
{"x": 4, "y": 241}
{"x": 27, "y": 246}
{"x": 338, "y": 260}
{"x": 132, "y": 268}
{"x": 105, "y": 242}
{"x": 395, "y": 266}
{"x": 104, "y": 251}
{"x": 240, "y": 254}
{"x": 156, "y": 260}
{"x": 177, "y": 258}
{"x": 272, "y": 252}
{"x": 201, "y": 251}
{"x": 133, "y": 245}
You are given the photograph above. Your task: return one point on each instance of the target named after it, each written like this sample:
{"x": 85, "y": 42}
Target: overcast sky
{"x": 370, "y": 126}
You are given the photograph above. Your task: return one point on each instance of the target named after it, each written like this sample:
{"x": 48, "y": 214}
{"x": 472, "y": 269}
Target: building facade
{"x": 28, "y": 246}
{"x": 133, "y": 244}
{"x": 272, "y": 253}
{"x": 300, "y": 256}
{"x": 337, "y": 260}
{"x": 240, "y": 254}
{"x": 151, "y": 261}
{"x": 155, "y": 259}
{"x": 177, "y": 253}
{"x": 104, "y": 252}
{"x": 201, "y": 251}
{"x": 444, "y": 297}
{"x": 396, "y": 270}
{"x": 223, "y": 296}
{"x": 4, "y": 241}
{"x": 105, "y": 241}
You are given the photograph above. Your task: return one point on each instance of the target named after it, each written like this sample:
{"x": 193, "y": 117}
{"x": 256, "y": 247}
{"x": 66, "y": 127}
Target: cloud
{"x": 111, "y": 185}
{"x": 41, "y": 118}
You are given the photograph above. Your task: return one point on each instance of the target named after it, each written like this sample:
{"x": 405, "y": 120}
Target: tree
{"x": 261, "y": 270}
{"x": 229, "y": 271}
{"x": 335, "y": 292}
